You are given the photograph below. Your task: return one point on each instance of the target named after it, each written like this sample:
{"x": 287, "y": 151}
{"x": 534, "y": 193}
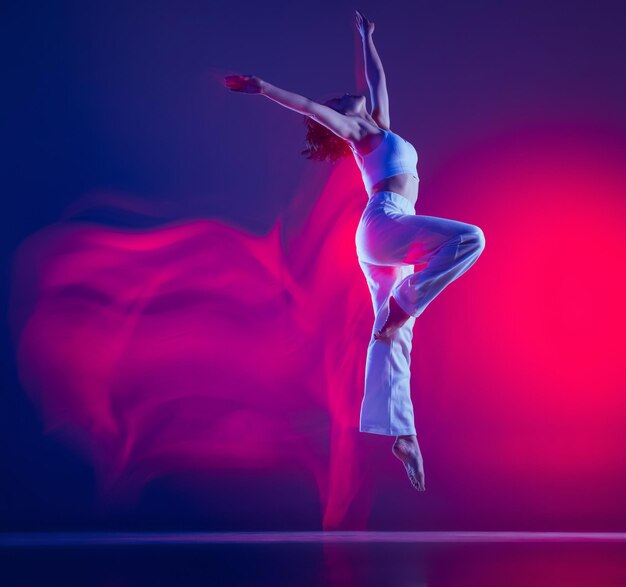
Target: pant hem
{"x": 409, "y": 310}
{"x": 386, "y": 431}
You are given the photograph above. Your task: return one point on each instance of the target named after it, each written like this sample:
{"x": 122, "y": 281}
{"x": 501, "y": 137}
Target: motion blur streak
{"x": 192, "y": 345}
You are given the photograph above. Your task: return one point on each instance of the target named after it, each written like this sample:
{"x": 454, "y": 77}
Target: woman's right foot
{"x": 407, "y": 450}
{"x": 396, "y": 319}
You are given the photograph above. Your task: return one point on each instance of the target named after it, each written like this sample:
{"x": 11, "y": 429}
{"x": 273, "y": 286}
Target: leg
{"x": 386, "y": 407}
{"x": 444, "y": 259}
{"x": 391, "y": 240}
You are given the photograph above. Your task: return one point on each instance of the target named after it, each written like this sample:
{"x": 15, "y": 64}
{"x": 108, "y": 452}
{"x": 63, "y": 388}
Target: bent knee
{"x": 476, "y": 236}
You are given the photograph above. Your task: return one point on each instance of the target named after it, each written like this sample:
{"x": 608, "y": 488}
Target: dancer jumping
{"x": 390, "y": 239}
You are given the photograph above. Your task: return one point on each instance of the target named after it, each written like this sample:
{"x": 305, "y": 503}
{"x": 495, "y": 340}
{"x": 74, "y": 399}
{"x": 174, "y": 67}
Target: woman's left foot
{"x": 408, "y": 451}
{"x": 396, "y": 319}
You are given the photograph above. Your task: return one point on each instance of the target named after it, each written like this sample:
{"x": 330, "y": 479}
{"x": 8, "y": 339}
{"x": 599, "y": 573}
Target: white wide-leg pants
{"x": 413, "y": 258}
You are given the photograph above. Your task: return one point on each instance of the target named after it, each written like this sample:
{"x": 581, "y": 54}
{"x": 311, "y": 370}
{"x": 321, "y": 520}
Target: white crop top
{"x": 392, "y": 156}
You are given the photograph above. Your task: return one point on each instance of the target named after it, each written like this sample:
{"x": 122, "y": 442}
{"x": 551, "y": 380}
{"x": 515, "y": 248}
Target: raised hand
{"x": 364, "y": 26}
{"x": 250, "y": 84}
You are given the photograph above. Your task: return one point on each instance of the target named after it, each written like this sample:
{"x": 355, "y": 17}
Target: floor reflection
{"x": 186, "y": 559}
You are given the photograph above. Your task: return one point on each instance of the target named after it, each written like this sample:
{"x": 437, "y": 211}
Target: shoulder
{"x": 367, "y": 137}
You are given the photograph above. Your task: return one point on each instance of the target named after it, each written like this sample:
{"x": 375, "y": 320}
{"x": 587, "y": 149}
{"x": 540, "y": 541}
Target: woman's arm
{"x": 374, "y": 73}
{"x": 344, "y": 126}
{"x": 341, "y": 125}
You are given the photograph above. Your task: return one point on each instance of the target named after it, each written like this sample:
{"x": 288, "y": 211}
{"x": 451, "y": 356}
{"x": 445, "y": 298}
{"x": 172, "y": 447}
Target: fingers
{"x": 362, "y": 23}
{"x": 236, "y": 82}
{"x": 360, "y": 16}
{"x": 232, "y": 80}
{"x": 236, "y": 77}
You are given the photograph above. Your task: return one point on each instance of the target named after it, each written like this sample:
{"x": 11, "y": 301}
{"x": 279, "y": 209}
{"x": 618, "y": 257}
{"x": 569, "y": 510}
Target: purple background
{"x": 127, "y": 96}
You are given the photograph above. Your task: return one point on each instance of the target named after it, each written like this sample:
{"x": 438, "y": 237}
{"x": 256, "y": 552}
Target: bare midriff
{"x": 404, "y": 184}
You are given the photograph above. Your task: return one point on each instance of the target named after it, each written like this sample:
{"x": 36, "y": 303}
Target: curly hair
{"x": 321, "y": 144}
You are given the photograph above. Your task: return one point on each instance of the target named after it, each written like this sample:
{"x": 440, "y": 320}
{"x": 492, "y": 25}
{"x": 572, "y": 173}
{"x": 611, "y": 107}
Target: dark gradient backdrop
{"x": 186, "y": 321}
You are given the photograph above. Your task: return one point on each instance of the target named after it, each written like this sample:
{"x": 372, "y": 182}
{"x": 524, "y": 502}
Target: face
{"x": 348, "y": 103}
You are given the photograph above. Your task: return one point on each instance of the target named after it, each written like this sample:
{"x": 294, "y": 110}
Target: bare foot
{"x": 408, "y": 451}
{"x": 397, "y": 317}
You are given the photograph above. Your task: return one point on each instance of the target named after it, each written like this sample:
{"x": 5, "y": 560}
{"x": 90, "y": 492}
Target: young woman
{"x": 390, "y": 240}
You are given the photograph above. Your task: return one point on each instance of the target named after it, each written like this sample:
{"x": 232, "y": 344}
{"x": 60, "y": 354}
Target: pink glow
{"x": 195, "y": 345}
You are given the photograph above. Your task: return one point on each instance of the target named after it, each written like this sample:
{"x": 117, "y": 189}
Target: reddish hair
{"x": 321, "y": 144}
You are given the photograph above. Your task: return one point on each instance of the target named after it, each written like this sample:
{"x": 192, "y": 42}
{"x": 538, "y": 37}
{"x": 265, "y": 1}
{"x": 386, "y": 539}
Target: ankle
{"x": 406, "y": 438}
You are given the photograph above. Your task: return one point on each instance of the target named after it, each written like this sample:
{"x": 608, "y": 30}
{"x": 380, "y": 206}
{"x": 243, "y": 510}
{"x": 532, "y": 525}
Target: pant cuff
{"x": 386, "y": 431}
{"x": 402, "y": 304}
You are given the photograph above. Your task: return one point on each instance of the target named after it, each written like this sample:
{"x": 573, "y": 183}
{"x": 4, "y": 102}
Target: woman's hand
{"x": 364, "y": 26}
{"x": 250, "y": 84}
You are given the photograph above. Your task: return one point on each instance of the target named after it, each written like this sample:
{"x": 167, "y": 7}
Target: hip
{"x": 387, "y": 202}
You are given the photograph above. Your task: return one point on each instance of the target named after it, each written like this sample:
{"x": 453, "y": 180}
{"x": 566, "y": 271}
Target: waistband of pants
{"x": 387, "y": 196}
